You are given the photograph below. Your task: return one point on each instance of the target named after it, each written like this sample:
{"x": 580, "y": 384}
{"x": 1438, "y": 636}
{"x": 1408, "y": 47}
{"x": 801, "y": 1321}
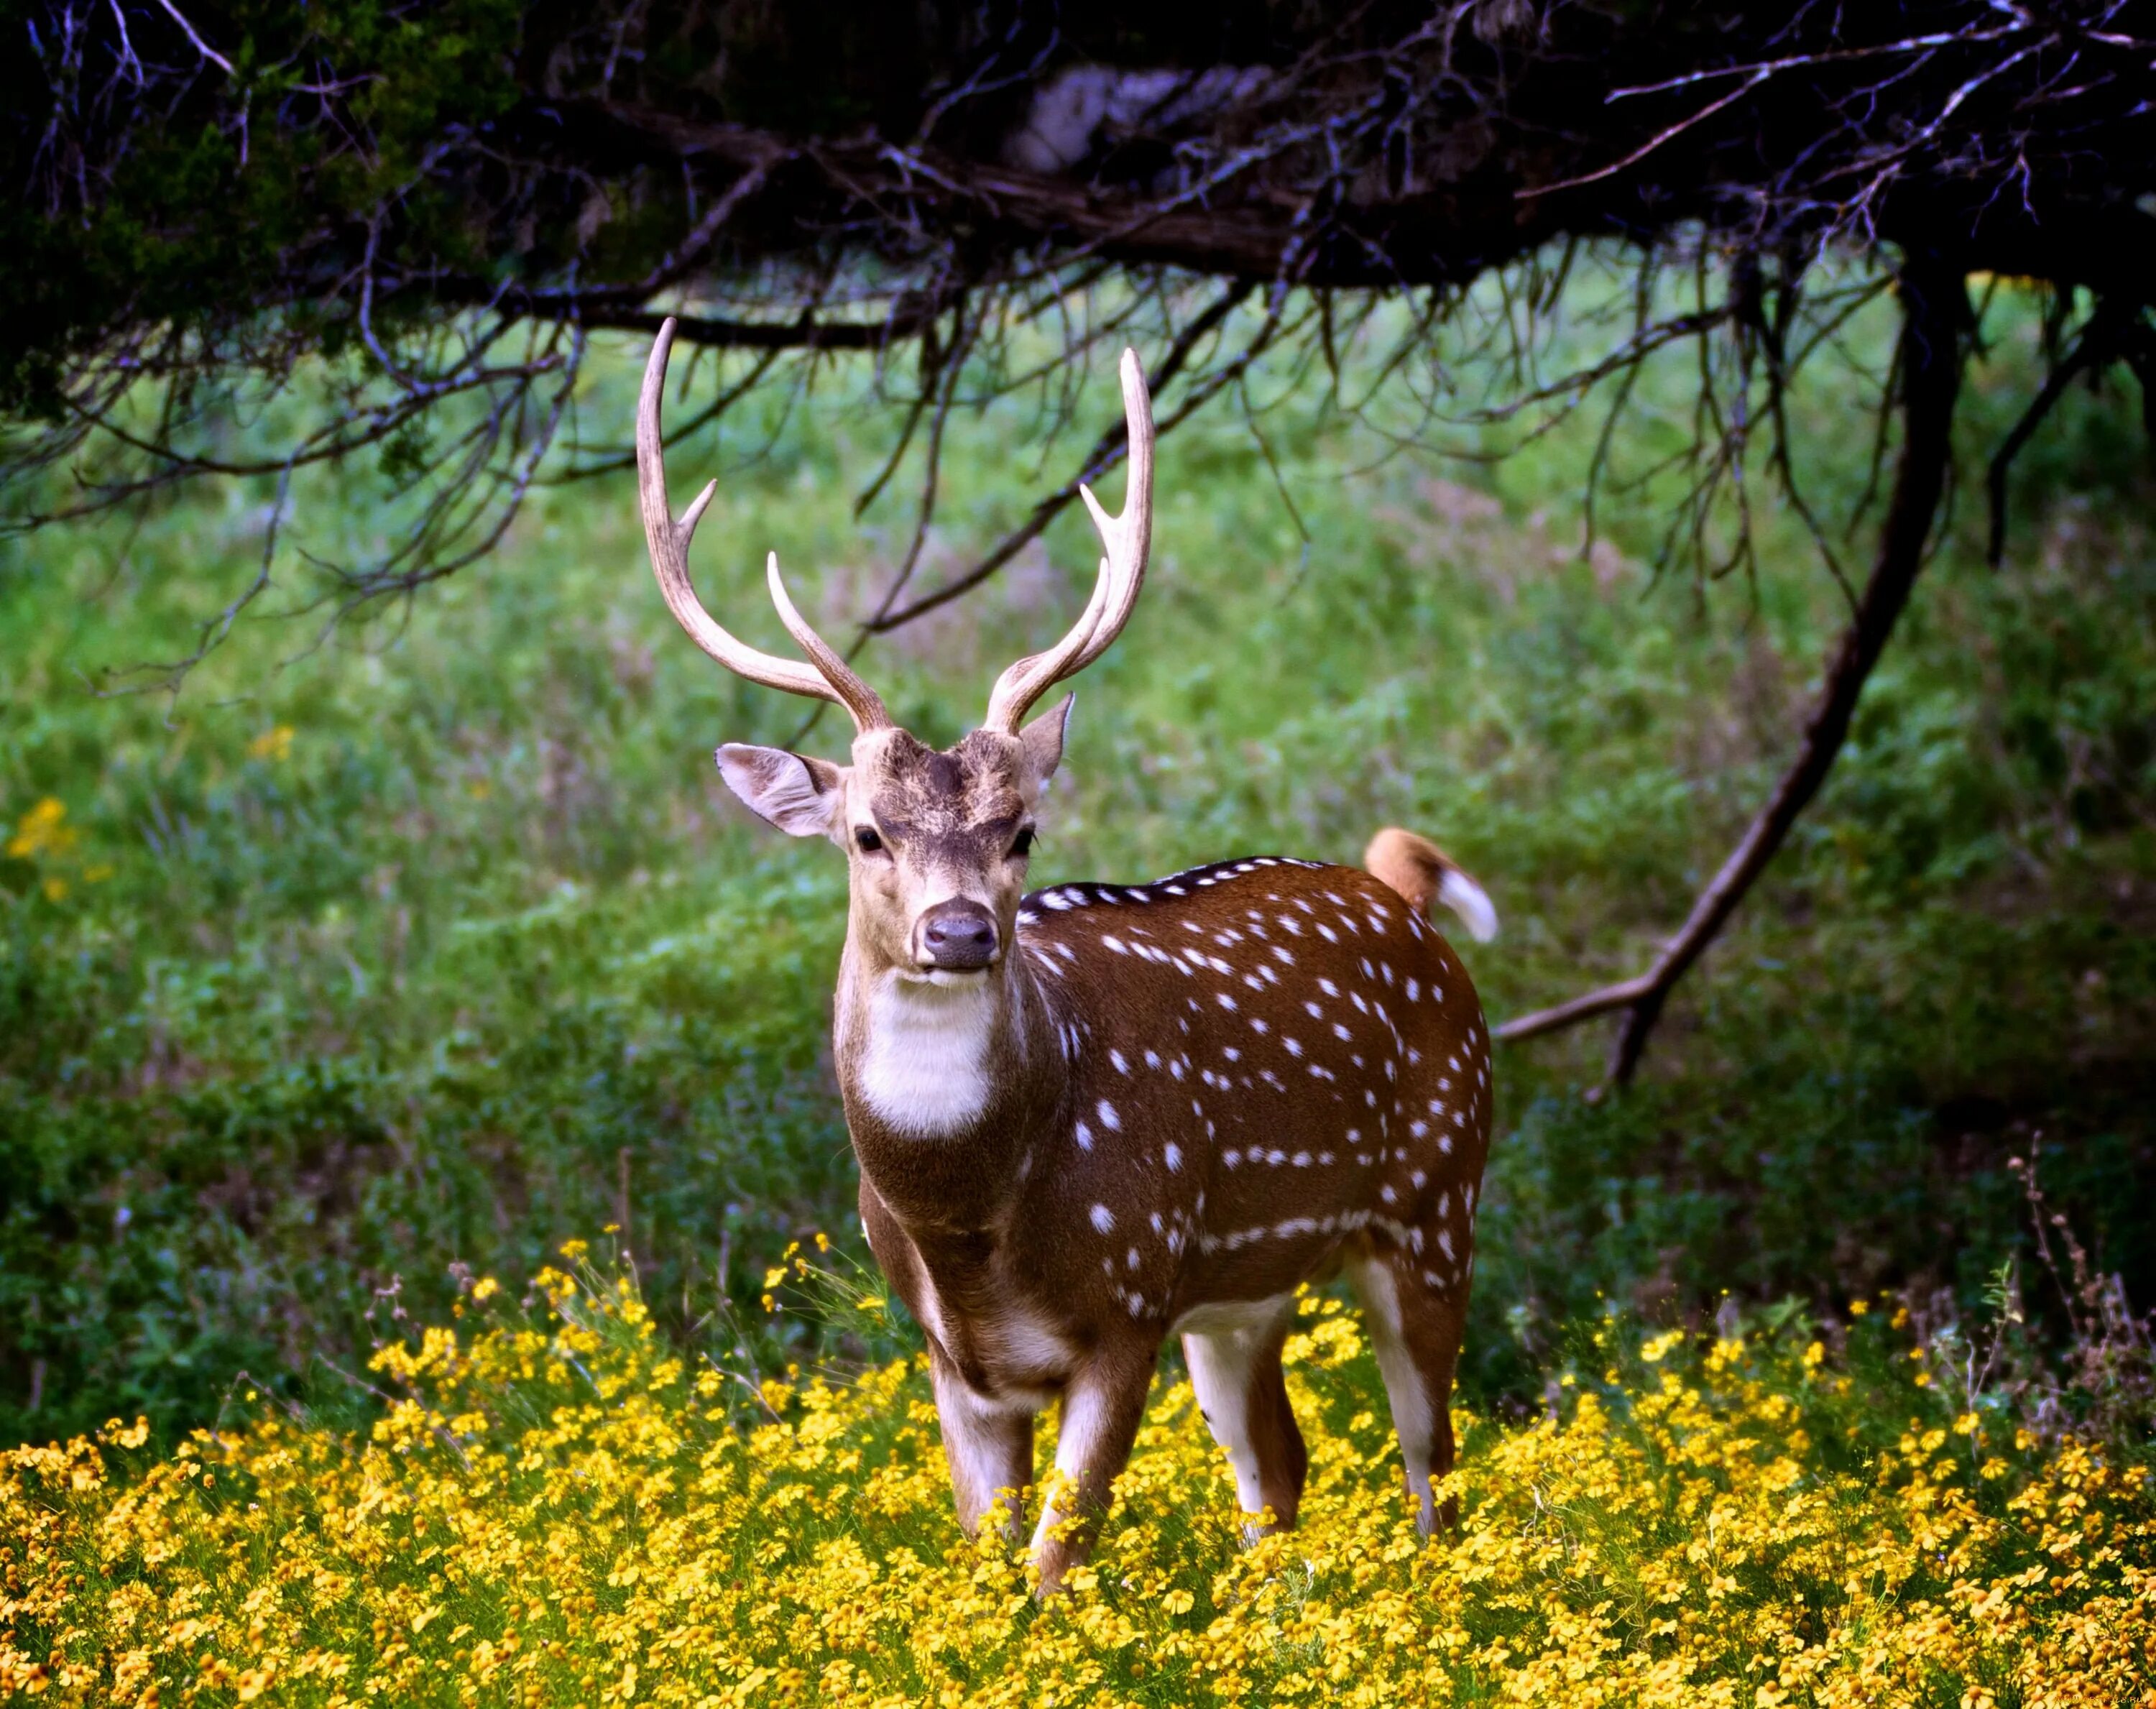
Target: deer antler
{"x": 829, "y": 677}
{"x": 1126, "y": 540}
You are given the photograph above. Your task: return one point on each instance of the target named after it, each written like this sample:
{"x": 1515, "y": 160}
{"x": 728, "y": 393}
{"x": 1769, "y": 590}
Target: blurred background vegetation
{"x": 404, "y": 950}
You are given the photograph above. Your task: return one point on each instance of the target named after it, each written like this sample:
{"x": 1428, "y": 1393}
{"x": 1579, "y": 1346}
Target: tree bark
{"x": 1935, "y": 310}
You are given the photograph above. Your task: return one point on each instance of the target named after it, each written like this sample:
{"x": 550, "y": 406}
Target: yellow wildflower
{"x": 566, "y": 1511}
{"x": 43, "y": 832}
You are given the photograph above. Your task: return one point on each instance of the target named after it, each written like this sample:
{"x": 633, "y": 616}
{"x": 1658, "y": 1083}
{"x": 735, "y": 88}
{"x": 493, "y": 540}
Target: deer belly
{"x": 1230, "y": 1317}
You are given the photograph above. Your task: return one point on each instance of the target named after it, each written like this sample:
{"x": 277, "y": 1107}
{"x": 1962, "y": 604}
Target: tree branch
{"x": 1935, "y": 310}
{"x": 2094, "y": 348}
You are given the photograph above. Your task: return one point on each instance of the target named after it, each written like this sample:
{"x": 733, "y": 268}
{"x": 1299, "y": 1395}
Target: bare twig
{"x": 1935, "y": 311}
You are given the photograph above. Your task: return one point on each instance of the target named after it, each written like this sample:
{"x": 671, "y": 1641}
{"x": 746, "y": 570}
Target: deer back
{"x": 1260, "y": 1058}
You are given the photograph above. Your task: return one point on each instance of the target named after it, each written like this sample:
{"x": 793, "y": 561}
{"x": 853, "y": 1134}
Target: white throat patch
{"x": 925, "y": 1067}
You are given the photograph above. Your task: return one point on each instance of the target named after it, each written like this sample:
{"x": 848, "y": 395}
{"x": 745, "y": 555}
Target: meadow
{"x": 374, "y": 965}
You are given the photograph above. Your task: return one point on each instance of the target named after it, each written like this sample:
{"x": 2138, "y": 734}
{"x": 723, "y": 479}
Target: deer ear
{"x": 1043, "y": 741}
{"x": 803, "y": 797}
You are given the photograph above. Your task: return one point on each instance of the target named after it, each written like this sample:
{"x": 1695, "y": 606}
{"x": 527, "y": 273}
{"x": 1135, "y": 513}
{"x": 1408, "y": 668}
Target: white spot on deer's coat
{"x": 1109, "y": 1119}
{"x": 1121, "y": 1067}
{"x": 1084, "y": 1135}
{"x": 1104, "y": 1219}
{"x": 1172, "y": 1155}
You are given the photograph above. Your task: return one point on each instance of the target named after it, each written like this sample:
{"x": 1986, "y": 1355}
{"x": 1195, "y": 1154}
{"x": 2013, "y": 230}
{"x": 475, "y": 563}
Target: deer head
{"x": 937, "y": 840}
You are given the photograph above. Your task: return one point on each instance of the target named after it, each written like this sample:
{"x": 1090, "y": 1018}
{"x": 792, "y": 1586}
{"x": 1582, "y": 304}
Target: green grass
{"x": 483, "y": 957}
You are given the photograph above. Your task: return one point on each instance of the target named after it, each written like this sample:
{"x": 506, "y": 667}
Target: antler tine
{"x": 669, "y": 542}
{"x": 1126, "y": 539}
{"x": 854, "y": 694}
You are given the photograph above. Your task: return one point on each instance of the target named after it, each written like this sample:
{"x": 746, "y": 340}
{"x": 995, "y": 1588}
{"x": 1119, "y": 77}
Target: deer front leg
{"x": 990, "y": 1448}
{"x": 1102, "y": 1407}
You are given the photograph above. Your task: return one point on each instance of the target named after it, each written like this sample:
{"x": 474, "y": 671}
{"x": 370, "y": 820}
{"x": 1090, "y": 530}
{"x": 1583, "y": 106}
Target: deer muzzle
{"x": 955, "y": 936}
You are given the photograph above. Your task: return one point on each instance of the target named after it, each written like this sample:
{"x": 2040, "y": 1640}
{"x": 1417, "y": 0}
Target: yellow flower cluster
{"x": 44, "y": 838}
{"x": 273, "y": 745}
{"x": 560, "y": 1511}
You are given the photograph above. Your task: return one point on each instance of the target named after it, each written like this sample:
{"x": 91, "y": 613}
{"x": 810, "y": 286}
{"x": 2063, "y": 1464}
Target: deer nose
{"x": 956, "y": 934}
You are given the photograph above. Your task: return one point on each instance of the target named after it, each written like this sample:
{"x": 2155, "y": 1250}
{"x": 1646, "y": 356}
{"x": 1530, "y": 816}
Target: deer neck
{"x": 946, "y": 1085}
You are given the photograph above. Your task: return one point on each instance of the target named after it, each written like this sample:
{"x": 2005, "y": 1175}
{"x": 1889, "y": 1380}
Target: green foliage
{"x": 442, "y": 942}
{"x": 229, "y": 193}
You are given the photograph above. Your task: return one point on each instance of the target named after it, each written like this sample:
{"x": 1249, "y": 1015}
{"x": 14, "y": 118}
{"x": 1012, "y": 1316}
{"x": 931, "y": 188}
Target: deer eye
{"x": 866, "y": 840}
{"x": 1022, "y": 844}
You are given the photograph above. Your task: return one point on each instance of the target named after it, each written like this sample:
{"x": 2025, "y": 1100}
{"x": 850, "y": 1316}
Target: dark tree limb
{"x": 1108, "y": 450}
{"x": 2107, "y": 336}
{"x": 1935, "y": 311}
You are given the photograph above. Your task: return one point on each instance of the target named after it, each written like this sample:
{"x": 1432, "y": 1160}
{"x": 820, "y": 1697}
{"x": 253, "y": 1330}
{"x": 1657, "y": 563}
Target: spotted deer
{"x": 1094, "y": 1116}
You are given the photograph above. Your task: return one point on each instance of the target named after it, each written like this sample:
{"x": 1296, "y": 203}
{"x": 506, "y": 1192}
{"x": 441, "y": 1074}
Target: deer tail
{"x": 1424, "y": 874}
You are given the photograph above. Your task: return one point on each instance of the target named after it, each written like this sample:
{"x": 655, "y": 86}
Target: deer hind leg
{"x": 1236, "y": 1373}
{"x": 1415, "y": 1324}
{"x": 990, "y": 1448}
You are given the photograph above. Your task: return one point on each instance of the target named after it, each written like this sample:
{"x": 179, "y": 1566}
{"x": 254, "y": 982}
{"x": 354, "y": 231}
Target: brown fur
{"x": 1413, "y": 865}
